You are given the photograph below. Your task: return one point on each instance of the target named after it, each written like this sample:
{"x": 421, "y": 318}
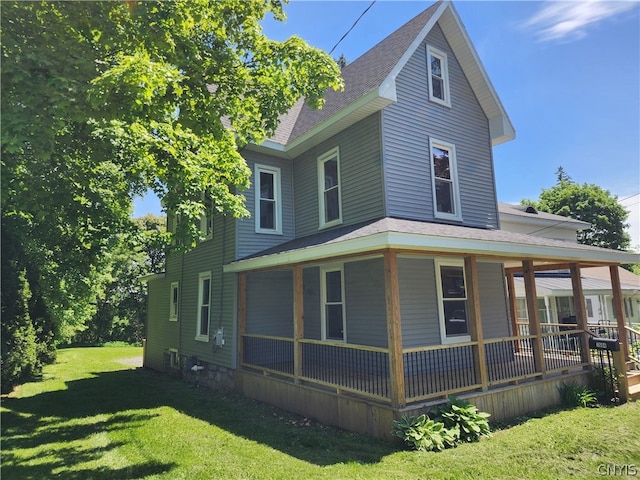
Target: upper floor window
{"x": 204, "y": 304}
{"x": 454, "y": 326}
{"x": 333, "y": 311}
{"x": 444, "y": 179}
{"x": 206, "y": 221}
{"x": 174, "y": 301}
{"x": 438, "y": 76}
{"x": 268, "y": 204}
{"x": 329, "y": 188}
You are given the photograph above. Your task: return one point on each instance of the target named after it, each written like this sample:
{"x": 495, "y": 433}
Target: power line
{"x": 352, "y": 26}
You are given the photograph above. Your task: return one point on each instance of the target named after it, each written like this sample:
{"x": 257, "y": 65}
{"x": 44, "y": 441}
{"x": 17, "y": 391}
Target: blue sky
{"x": 568, "y": 74}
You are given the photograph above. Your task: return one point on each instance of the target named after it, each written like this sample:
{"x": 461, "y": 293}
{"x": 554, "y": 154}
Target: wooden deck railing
{"x": 429, "y": 372}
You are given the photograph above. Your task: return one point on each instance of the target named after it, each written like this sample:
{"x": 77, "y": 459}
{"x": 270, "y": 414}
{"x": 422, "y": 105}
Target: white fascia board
{"x": 388, "y": 96}
{"x": 428, "y": 243}
{"x": 567, "y": 223}
{"x": 391, "y": 78}
{"x": 500, "y": 126}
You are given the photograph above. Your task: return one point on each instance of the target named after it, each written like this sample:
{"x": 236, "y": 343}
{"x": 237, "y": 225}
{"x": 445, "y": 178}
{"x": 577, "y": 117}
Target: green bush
{"x": 464, "y": 420}
{"x": 422, "y": 433}
{"x": 576, "y": 395}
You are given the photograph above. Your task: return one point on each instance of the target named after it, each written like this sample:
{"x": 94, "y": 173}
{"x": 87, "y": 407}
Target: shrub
{"x": 422, "y": 433}
{"x": 464, "y": 420}
{"x": 576, "y": 395}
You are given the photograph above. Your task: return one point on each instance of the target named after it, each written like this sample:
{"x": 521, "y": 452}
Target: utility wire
{"x": 352, "y": 26}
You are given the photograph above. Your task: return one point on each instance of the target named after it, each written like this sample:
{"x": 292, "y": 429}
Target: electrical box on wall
{"x": 220, "y": 337}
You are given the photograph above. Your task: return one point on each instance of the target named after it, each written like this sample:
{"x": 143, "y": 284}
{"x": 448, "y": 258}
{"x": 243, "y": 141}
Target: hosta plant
{"x": 422, "y": 433}
{"x": 463, "y": 420}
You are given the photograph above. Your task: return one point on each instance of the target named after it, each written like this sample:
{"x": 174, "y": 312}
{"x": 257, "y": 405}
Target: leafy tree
{"x": 121, "y": 313}
{"x": 104, "y": 100}
{"x": 588, "y": 203}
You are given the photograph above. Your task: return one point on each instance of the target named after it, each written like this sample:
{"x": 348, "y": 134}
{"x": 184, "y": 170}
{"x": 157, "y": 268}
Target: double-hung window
{"x": 204, "y": 306}
{"x": 174, "y": 302}
{"x": 268, "y": 204}
{"x": 333, "y": 307}
{"x": 444, "y": 180}
{"x": 329, "y": 188}
{"x": 452, "y": 296}
{"x": 438, "y": 72}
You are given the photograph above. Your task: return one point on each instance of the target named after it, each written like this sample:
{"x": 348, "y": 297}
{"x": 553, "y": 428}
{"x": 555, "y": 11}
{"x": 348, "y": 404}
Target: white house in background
{"x": 554, "y": 288}
{"x": 528, "y": 220}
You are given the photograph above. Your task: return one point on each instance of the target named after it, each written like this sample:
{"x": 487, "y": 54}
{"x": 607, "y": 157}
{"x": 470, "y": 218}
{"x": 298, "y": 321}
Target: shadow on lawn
{"x": 52, "y": 417}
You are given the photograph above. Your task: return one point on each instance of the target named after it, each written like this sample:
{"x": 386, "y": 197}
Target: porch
{"x": 403, "y": 357}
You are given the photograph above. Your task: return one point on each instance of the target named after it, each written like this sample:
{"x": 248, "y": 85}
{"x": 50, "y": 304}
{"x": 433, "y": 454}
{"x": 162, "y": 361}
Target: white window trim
{"x": 204, "y": 220}
{"x": 174, "y": 312}
{"x": 203, "y": 276}
{"x": 174, "y": 360}
{"x": 453, "y": 166}
{"x": 323, "y": 301}
{"x": 277, "y": 185}
{"x": 432, "y": 51}
{"x": 334, "y": 152}
{"x": 444, "y": 340}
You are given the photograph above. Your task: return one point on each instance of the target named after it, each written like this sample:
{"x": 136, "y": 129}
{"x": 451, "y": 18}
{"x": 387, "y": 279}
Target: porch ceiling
{"x": 436, "y": 239}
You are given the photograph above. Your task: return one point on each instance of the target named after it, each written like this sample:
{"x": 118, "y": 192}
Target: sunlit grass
{"x": 97, "y": 416}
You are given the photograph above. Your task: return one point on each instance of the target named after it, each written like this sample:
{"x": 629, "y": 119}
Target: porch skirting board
{"x": 375, "y": 419}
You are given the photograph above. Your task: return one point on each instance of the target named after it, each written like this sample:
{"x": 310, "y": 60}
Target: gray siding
{"x": 360, "y": 177}
{"x": 311, "y": 299}
{"x": 407, "y": 126}
{"x": 365, "y": 303}
{"x": 270, "y": 303}
{"x": 493, "y": 300}
{"x": 185, "y": 268}
{"x": 418, "y": 302}
{"x": 248, "y": 241}
{"x": 161, "y": 334}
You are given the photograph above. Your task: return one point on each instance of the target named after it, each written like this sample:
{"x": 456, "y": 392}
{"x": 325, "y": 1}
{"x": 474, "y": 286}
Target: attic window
{"x": 438, "y": 71}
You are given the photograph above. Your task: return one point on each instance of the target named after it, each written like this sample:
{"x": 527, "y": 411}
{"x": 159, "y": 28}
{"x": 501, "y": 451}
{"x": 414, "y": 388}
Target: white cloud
{"x": 569, "y": 19}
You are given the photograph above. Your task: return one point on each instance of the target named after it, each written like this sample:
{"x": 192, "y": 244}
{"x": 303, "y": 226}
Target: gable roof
{"x": 370, "y": 84}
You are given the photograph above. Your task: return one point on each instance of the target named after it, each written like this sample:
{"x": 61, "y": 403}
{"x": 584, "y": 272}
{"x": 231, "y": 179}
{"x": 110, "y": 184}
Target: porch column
{"x": 618, "y": 309}
{"x": 581, "y": 314}
{"x": 620, "y": 358}
{"x": 242, "y": 314}
{"x": 475, "y": 321}
{"x": 534, "y": 318}
{"x": 513, "y": 309}
{"x": 394, "y": 330}
{"x": 298, "y": 322}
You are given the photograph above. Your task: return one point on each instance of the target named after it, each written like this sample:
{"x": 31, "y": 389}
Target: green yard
{"x": 96, "y": 416}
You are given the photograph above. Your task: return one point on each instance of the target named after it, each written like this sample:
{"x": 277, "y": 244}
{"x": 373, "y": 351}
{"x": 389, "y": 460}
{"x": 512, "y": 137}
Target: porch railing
{"x": 429, "y": 372}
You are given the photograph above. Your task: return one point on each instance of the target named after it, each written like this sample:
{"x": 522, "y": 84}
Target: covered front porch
{"x": 393, "y": 360}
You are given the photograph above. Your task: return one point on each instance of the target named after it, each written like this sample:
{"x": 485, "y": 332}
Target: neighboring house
{"x": 370, "y": 278}
{"x": 554, "y": 288}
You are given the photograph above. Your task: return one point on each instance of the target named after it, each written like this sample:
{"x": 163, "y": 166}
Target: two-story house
{"x": 370, "y": 278}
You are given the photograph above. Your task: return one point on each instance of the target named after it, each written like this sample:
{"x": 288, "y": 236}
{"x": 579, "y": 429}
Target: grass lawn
{"x": 96, "y": 416}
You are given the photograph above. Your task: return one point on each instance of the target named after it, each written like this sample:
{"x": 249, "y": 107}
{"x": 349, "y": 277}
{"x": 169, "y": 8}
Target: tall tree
{"x": 588, "y": 203}
{"x": 104, "y": 100}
